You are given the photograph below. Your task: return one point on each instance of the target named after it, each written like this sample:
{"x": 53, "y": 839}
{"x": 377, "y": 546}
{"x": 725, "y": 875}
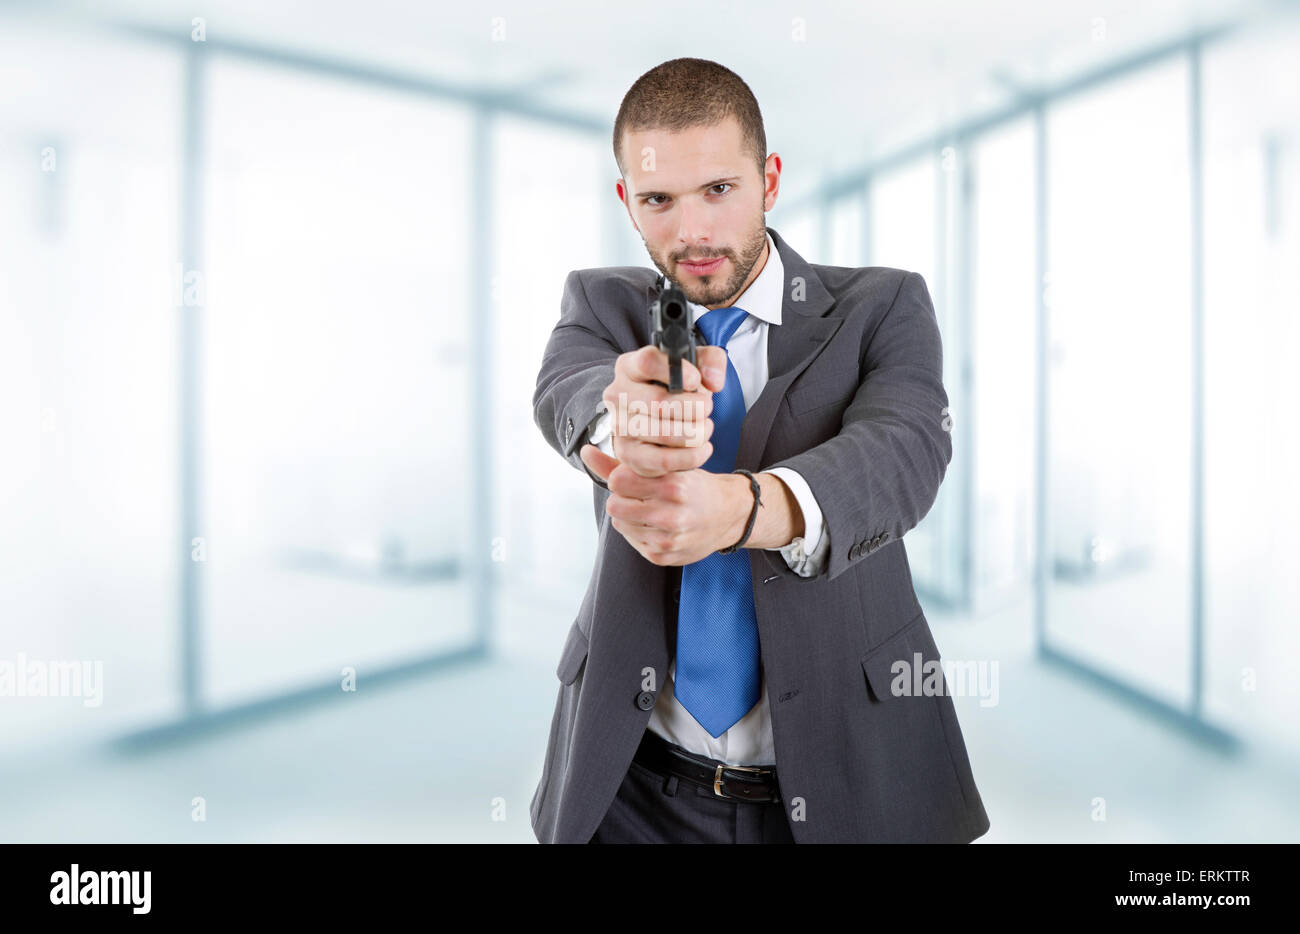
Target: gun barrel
{"x": 672, "y": 332}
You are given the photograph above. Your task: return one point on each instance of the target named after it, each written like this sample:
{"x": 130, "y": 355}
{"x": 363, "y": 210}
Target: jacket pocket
{"x": 882, "y": 667}
{"x": 911, "y": 712}
{"x": 573, "y": 655}
{"x": 817, "y": 395}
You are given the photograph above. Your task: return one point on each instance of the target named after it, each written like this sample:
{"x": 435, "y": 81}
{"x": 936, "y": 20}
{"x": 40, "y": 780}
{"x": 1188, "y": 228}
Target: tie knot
{"x": 720, "y": 323}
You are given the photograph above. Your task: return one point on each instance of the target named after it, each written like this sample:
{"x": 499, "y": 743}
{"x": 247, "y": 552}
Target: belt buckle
{"x": 717, "y": 779}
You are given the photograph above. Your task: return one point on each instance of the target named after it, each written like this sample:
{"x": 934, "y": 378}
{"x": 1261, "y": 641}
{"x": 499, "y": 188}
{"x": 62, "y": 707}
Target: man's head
{"x": 695, "y": 176}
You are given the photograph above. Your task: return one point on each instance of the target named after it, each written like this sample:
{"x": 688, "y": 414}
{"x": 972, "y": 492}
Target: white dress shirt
{"x": 749, "y": 740}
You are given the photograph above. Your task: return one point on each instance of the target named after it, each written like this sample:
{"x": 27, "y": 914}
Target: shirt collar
{"x": 764, "y": 296}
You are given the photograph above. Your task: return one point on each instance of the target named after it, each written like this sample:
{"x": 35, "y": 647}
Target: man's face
{"x": 698, "y": 200}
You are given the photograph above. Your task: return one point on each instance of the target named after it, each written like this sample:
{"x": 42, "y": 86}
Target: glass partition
{"x": 335, "y": 424}
{"x": 1003, "y": 326}
{"x": 1252, "y": 278}
{"x": 89, "y": 547}
{"x": 1119, "y": 380}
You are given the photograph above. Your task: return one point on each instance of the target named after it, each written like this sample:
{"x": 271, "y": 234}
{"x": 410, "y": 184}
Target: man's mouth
{"x": 702, "y": 267}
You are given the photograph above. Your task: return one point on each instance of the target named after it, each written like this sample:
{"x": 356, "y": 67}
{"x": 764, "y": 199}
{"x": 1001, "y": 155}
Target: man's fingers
{"x": 691, "y": 377}
{"x": 713, "y": 366}
{"x": 673, "y": 434}
{"x": 650, "y": 364}
{"x": 635, "y": 534}
{"x": 647, "y": 364}
{"x": 655, "y": 460}
{"x": 676, "y": 420}
{"x": 600, "y": 463}
{"x": 625, "y": 399}
{"x": 626, "y": 482}
{"x": 636, "y": 512}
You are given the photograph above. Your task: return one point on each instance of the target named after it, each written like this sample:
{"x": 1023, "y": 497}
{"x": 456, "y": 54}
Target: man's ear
{"x": 621, "y": 187}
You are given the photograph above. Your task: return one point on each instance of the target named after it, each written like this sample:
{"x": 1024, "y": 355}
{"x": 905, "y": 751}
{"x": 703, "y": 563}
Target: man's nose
{"x": 692, "y": 229}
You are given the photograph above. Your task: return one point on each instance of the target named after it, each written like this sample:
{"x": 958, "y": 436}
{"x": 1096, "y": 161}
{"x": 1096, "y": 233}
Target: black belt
{"x": 735, "y": 782}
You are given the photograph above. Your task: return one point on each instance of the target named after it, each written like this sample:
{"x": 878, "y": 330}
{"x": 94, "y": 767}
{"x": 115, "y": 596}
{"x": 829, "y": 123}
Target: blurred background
{"x": 279, "y": 529}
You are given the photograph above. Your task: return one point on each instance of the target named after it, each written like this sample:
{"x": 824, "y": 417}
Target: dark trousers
{"x": 655, "y": 808}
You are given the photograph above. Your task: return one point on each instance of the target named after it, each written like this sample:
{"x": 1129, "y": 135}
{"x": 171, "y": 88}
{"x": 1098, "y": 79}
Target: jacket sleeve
{"x": 879, "y": 476}
{"x": 577, "y": 365}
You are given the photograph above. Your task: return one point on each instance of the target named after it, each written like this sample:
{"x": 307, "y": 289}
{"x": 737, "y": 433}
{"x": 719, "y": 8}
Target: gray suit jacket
{"x": 855, "y": 403}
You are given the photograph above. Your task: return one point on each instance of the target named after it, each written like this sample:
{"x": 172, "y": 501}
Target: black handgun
{"x": 672, "y": 331}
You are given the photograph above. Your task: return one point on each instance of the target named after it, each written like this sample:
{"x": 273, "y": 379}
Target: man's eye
{"x": 722, "y": 185}
{"x": 651, "y": 200}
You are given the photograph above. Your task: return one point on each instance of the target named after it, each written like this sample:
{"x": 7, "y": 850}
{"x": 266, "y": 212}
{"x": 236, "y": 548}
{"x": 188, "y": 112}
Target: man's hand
{"x": 661, "y": 500}
{"x": 677, "y": 518}
{"x": 654, "y": 431}
{"x": 687, "y": 515}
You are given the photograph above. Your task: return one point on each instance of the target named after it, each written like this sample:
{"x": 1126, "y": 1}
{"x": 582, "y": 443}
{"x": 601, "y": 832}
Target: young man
{"x": 733, "y": 674}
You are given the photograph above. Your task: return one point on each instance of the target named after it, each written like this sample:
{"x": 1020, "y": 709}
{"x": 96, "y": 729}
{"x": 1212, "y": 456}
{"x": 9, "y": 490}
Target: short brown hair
{"x": 690, "y": 92}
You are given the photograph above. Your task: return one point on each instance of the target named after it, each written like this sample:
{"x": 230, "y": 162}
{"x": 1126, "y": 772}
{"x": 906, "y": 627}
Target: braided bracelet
{"x": 753, "y": 514}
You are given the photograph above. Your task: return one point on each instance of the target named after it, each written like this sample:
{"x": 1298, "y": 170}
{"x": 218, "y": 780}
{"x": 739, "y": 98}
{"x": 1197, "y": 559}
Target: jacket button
{"x": 645, "y": 700}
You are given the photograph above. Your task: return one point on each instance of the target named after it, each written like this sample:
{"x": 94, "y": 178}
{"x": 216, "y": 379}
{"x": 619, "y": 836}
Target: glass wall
{"x": 846, "y": 229}
{"x": 904, "y": 211}
{"x": 1003, "y": 327}
{"x": 1252, "y": 334}
{"x": 544, "y": 527}
{"x": 335, "y": 423}
{"x": 89, "y": 156}
{"x": 1119, "y": 380}
{"x": 800, "y": 230}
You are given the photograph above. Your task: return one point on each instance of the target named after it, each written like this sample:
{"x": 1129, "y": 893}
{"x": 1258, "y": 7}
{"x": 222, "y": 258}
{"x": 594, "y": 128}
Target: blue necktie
{"x": 717, "y": 677}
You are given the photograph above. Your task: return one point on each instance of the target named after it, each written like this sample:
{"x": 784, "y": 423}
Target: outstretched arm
{"x": 577, "y": 365}
{"x": 880, "y": 475}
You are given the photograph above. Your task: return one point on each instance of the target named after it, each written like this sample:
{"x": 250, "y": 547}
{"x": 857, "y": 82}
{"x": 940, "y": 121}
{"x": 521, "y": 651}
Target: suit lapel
{"x": 807, "y": 326}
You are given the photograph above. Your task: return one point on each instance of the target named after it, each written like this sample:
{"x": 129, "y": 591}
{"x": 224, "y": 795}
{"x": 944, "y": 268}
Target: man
{"x": 749, "y": 663}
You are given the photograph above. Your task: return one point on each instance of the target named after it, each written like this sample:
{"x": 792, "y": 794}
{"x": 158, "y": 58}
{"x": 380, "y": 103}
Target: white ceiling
{"x": 869, "y": 77}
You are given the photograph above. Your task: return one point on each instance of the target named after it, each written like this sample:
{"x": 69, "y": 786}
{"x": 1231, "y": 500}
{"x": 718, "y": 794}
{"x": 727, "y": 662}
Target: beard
{"x": 710, "y": 290}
